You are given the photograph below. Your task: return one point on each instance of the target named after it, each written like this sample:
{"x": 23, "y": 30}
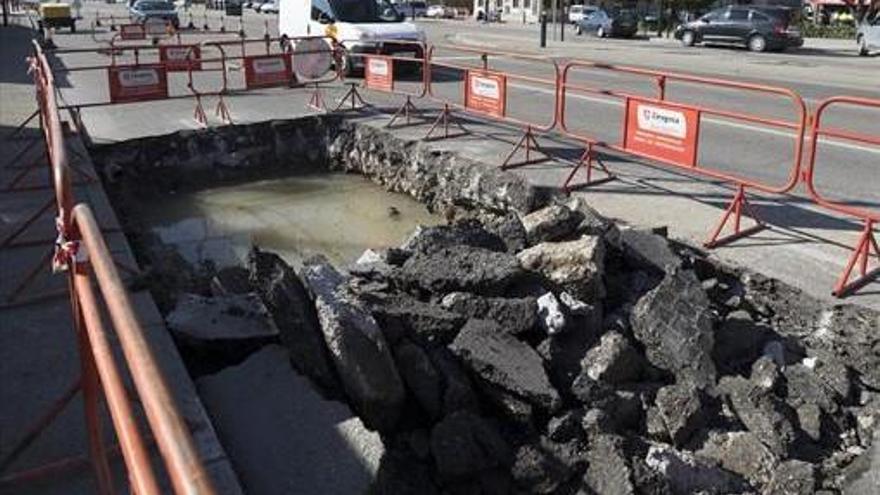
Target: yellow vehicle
{"x": 55, "y": 15}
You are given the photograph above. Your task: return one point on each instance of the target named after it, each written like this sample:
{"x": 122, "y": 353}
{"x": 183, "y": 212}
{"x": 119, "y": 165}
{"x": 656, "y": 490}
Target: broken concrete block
{"x": 458, "y": 391}
{"x": 743, "y": 453}
{"x": 406, "y": 317}
{"x": 608, "y": 472}
{"x": 765, "y": 415}
{"x": 461, "y": 268}
{"x": 613, "y": 361}
{"x": 686, "y": 474}
{"x": 280, "y": 433}
{"x": 535, "y": 470}
{"x": 514, "y": 315}
{"x": 501, "y": 360}
{"x": 566, "y": 427}
{"x": 792, "y": 478}
{"x": 575, "y": 266}
{"x": 420, "y": 377}
{"x": 551, "y": 223}
{"x": 550, "y": 314}
{"x": 234, "y": 317}
{"x": 682, "y": 407}
{"x": 509, "y": 228}
{"x": 674, "y": 323}
{"x": 464, "y": 444}
{"x": 231, "y": 280}
{"x": 645, "y": 249}
{"x": 294, "y": 314}
{"x": 426, "y": 240}
{"x": 357, "y": 347}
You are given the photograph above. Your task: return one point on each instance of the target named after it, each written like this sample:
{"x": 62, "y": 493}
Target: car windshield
{"x": 147, "y": 6}
{"x": 364, "y": 11}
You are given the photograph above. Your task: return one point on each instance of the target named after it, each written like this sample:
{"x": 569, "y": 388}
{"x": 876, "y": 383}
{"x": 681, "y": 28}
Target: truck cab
{"x": 359, "y": 26}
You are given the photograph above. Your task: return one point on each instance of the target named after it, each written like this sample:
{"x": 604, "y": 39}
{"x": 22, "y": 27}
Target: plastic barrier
{"x": 382, "y": 67}
{"x": 82, "y": 253}
{"x": 668, "y": 132}
{"x": 486, "y": 92}
{"x": 867, "y": 246}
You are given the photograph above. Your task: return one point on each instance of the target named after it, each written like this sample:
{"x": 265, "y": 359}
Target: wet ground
{"x": 336, "y": 215}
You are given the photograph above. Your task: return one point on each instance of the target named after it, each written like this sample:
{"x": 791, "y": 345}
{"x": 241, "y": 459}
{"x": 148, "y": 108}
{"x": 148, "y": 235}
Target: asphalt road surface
{"x": 846, "y": 171}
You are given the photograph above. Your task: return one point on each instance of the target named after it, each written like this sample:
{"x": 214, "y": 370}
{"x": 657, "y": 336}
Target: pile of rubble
{"x": 557, "y": 353}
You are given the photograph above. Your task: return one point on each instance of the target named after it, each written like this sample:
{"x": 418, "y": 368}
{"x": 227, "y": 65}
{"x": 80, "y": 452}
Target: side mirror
{"x": 324, "y": 19}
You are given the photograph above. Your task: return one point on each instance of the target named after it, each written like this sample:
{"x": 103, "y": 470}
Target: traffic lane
{"x": 844, "y": 73}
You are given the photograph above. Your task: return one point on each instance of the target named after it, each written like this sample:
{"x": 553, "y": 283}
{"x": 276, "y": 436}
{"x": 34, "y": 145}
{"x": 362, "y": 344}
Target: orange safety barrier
{"x": 380, "y": 70}
{"x": 284, "y": 68}
{"x": 279, "y": 63}
{"x": 82, "y": 252}
{"x": 668, "y": 132}
{"x": 867, "y": 246}
{"x": 486, "y": 94}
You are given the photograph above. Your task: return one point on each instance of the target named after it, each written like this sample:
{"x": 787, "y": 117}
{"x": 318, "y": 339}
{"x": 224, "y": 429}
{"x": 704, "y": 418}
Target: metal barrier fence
{"x": 381, "y": 67}
{"x": 83, "y": 253}
{"x": 485, "y": 94}
{"x": 668, "y": 132}
{"x": 281, "y": 62}
{"x": 867, "y": 245}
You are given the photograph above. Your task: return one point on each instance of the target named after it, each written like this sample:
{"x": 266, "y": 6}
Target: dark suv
{"x": 758, "y": 28}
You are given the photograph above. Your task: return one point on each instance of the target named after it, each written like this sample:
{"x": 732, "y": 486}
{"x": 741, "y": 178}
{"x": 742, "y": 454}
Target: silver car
{"x": 868, "y": 35}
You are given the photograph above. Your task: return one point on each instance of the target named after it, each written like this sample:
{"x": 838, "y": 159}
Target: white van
{"x": 358, "y": 25}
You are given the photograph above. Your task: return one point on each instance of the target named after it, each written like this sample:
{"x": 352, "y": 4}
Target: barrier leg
{"x": 316, "y": 102}
{"x": 33, "y": 432}
{"x": 406, "y": 110}
{"x": 529, "y": 142}
{"x": 588, "y": 158}
{"x": 352, "y": 95}
{"x": 222, "y": 111}
{"x": 24, "y": 124}
{"x": 27, "y": 223}
{"x": 865, "y": 249}
{"x": 737, "y": 205}
{"x": 445, "y": 118}
{"x": 91, "y": 389}
{"x": 199, "y": 113}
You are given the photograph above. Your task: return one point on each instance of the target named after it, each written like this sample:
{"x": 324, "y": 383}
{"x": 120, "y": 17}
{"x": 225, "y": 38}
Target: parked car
{"x": 270, "y": 7}
{"x": 143, "y": 10}
{"x": 602, "y": 23}
{"x": 757, "y": 28}
{"x": 412, "y": 9}
{"x": 868, "y": 35}
{"x": 578, "y": 12}
{"x": 436, "y": 12}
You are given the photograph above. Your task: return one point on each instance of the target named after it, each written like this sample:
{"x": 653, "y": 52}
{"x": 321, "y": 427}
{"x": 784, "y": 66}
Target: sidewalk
{"x": 39, "y": 361}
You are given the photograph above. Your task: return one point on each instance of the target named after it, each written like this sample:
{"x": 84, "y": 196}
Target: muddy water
{"x": 336, "y": 215}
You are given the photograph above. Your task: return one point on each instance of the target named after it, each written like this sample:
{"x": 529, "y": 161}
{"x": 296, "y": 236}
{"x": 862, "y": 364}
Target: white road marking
{"x": 716, "y": 121}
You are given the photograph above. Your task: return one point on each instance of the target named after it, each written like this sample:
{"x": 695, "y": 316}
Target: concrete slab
{"x": 281, "y": 436}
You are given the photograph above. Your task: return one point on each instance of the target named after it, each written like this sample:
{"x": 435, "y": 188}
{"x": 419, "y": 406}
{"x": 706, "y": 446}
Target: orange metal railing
{"x": 82, "y": 251}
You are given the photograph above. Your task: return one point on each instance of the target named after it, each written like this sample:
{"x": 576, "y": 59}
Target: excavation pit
{"x": 518, "y": 343}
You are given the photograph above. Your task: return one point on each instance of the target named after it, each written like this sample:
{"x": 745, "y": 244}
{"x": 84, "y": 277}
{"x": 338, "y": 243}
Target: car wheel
{"x": 600, "y": 32}
{"x": 688, "y": 38}
{"x": 863, "y": 46}
{"x": 757, "y": 43}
